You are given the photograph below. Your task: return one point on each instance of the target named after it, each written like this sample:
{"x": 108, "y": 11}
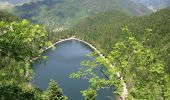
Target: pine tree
{"x": 54, "y": 92}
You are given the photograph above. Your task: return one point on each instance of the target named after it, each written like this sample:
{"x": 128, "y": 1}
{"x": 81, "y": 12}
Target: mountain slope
{"x": 105, "y": 28}
{"x": 65, "y": 13}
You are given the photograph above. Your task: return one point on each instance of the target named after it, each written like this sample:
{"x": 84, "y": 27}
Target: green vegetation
{"x": 65, "y": 13}
{"x": 89, "y": 94}
{"x": 54, "y": 92}
{"x": 141, "y": 56}
{"x": 141, "y": 69}
{"x": 104, "y": 30}
{"x": 20, "y": 42}
{"x": 142, "y": 59}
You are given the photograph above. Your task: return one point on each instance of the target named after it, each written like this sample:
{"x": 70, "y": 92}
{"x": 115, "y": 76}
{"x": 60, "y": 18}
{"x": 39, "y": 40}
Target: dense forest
{"x": 104, "y": 30}
{"x": 148, "y": 34}
{"x": 20, "y": 42}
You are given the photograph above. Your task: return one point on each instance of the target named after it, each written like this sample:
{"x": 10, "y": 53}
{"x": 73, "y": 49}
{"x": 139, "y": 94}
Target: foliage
{"x": 15, "y": 91}
{"x": 20, "y": 42}
{"x": 54, "y": 92}
{"x": 141, "y": 69}
{"x": 89, "y": 94}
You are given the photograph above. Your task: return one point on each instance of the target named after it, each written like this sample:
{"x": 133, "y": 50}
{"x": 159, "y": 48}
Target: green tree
{"x": 142, "y": 70}
{"x": 54, "y": 92}
{"x": 89, "y": 94}
{"x": 20, "y": 42}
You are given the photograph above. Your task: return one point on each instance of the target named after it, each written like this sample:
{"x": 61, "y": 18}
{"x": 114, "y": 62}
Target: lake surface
{"x": 61, "y": 62}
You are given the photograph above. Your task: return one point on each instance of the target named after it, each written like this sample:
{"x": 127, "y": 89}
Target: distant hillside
{"x": 104, "y": 30}
{"x": 9, "y": 4}
{"x": 154, "y": 4}
{"x": 16, "y": 2}
{"x": 65, "y": 13}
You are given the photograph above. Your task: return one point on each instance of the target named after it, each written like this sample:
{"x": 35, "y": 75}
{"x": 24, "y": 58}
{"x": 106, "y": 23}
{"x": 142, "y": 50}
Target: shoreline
{"x": 125, "y": 91}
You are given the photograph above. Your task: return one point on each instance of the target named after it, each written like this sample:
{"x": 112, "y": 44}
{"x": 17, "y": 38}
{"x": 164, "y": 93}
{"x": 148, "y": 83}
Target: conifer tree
{"x": 54, "y": 92}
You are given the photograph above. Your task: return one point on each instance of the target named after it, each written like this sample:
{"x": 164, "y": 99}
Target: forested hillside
{"x": 65, "y": 13}
{"x": 105, "y": 28}
{"x": 140, "y": 52}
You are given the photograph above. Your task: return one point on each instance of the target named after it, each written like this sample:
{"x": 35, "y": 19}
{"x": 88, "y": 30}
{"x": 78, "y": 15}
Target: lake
{"x": 61, "y": 62}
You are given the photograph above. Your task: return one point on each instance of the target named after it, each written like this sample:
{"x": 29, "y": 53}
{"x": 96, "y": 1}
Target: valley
{"x": 84, "y": 50}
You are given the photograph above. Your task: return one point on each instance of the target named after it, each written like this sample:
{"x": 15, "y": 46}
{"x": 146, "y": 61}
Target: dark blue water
{"x": 61, "y": 62}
